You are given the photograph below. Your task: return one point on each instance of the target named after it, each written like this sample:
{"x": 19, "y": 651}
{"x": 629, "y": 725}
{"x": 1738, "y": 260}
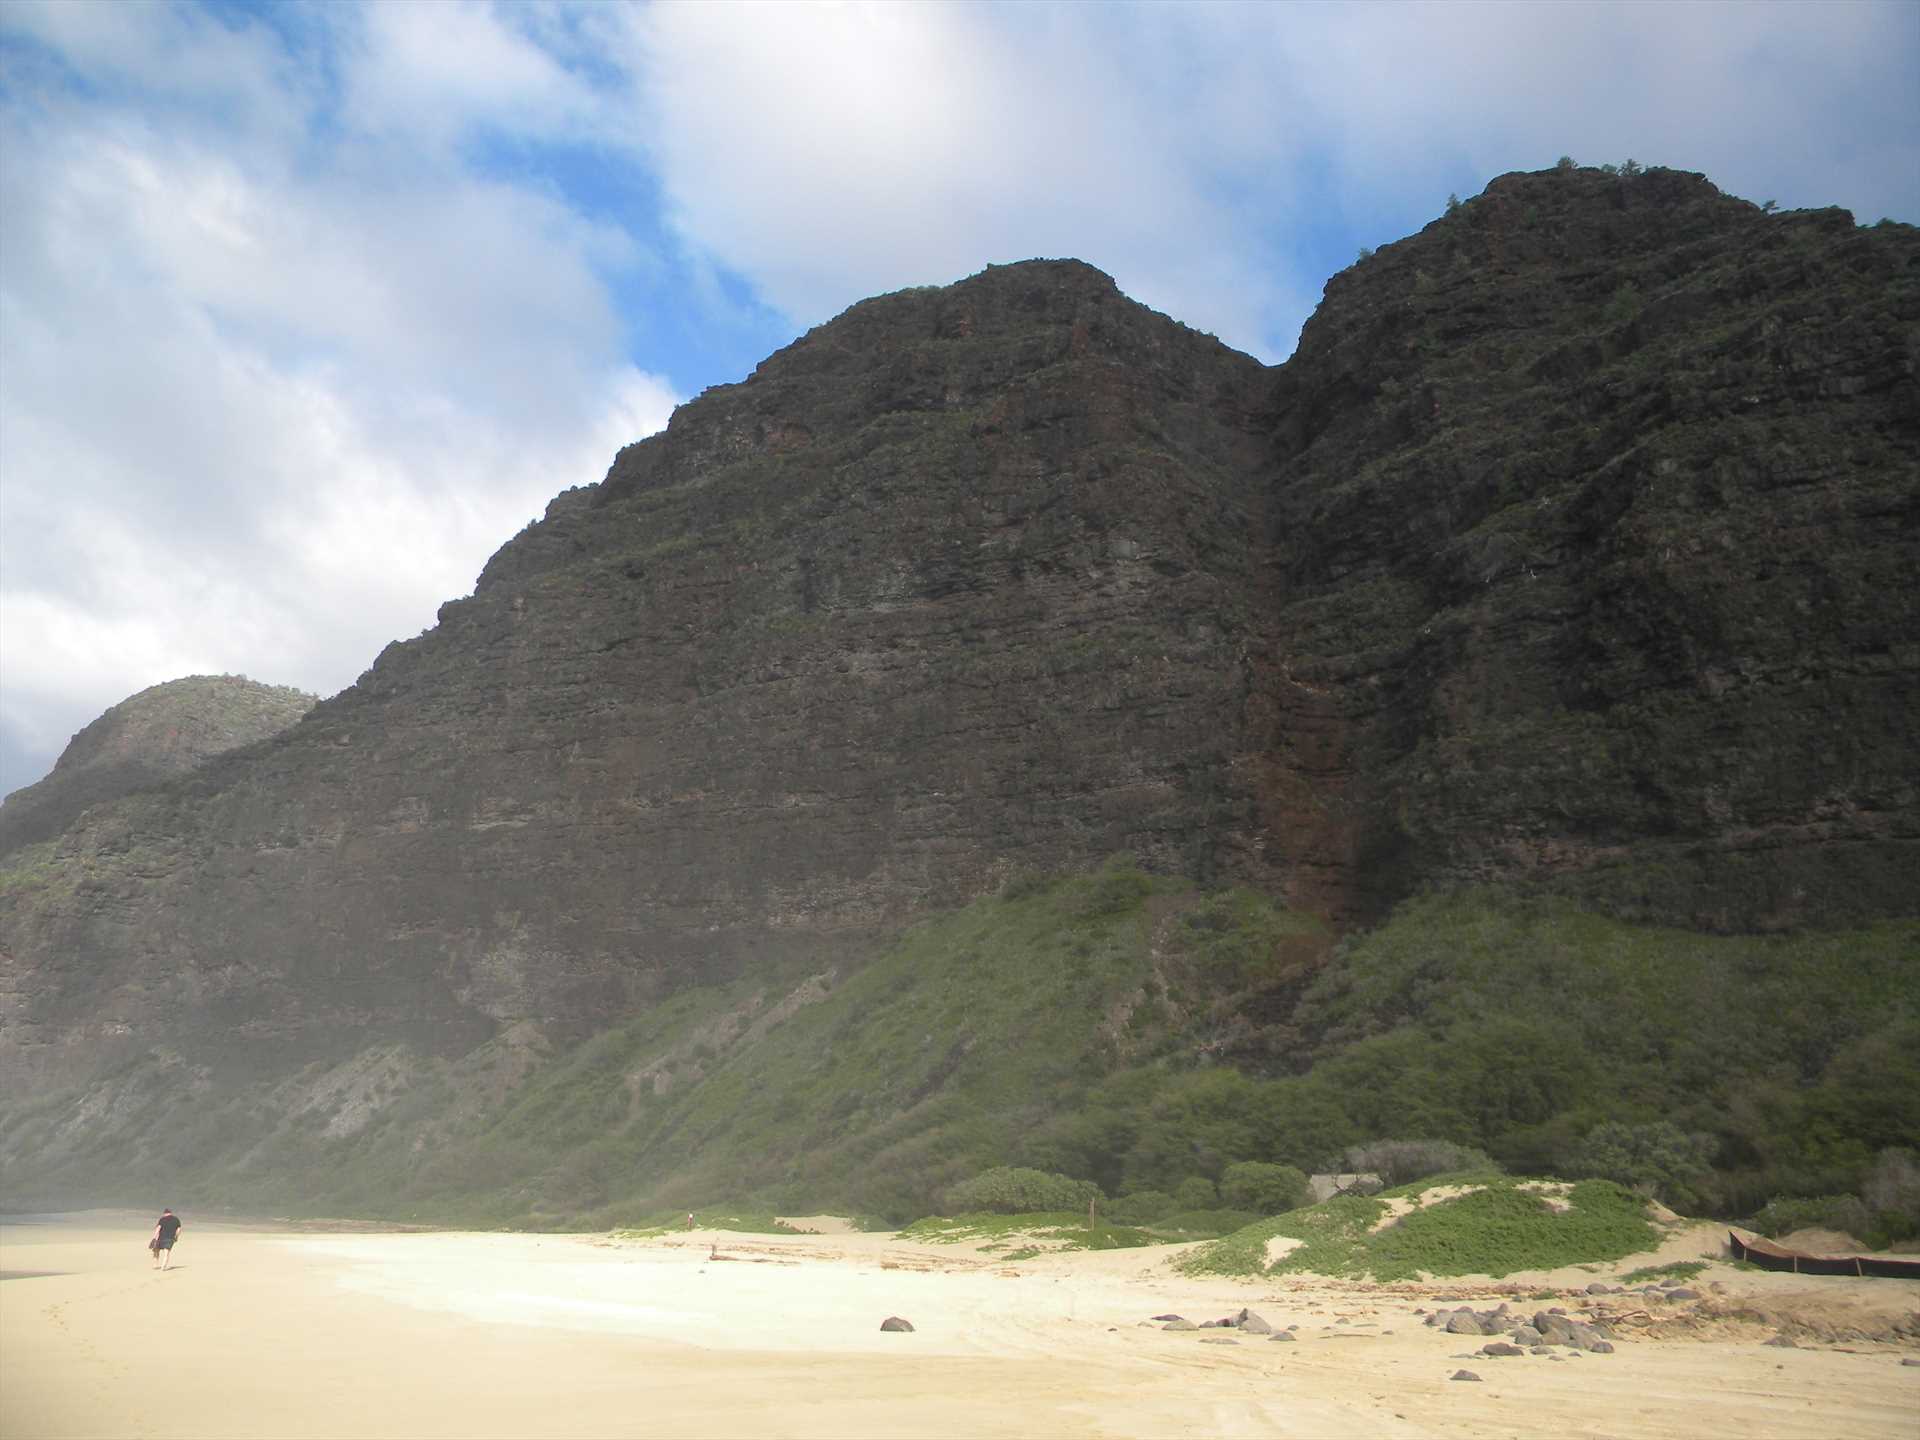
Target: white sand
{"x": 262, "y": 1333}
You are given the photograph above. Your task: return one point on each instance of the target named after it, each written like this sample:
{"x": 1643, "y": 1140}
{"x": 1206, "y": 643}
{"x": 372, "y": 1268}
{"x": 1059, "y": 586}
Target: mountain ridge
{"x": 1564, "y": 553}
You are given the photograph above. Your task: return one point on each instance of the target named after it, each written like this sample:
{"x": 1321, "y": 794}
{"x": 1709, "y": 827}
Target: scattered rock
{"x": 1465, "y": 1375}
{"x": 1461, "y": 1322}
{"x": 1178, "y": 1324}
{"x": 1253, "y": 1325}
{"x": 1909, "y": 1360}
{"x": 1600, "y": 1287}
{"x": 1500, "y": 1348}
{"x": 1541, "y": 1350}
{"x": 1526, "y": 1335}
{"x": 1684, "y": 1293}
{"x": 1283, "y": 1335}
{"x": 1163, "y": 1319}
{"x": 1218, "y": 1340}
{"x": 896, "y": 1324}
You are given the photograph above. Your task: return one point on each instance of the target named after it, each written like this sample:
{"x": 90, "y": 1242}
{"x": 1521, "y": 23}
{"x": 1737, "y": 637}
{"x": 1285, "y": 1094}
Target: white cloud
{"x": 830, "y": 151}
{"x": 267, "y": 402}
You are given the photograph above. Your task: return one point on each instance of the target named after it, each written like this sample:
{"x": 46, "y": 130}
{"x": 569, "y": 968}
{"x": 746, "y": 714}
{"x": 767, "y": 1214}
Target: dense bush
{"x": 1142, "y": 1207}
{"x": 1196, "y": 1192}
{"x": 1400, "y": 1162}
{"x": 1264, "y": 1189}
{"x": 1813, "y": 1212}
{"x": 1658, "y": 1158}
{"x": 1010, "y": 1190}
{"x": 1892, "y": 1186}
{"x": 1204, "y": 1224}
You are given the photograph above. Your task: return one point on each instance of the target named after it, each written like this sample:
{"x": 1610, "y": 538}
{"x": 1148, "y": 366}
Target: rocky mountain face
{"x": 1573, "y": 547}
{"x": 164, "y": 731}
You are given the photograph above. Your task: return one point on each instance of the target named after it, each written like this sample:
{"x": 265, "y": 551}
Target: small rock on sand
{"x": 1283, "y": 1335}
{"x": 1465, "y": 1375}
{"x": 898, "y": 1326}
{"x": 1498, "y": 1348}
{"x": 1178, "y": 1324}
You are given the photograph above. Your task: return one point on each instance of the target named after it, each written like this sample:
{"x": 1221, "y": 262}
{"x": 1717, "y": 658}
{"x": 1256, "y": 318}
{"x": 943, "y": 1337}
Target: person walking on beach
{"x": 164, "y": 1234}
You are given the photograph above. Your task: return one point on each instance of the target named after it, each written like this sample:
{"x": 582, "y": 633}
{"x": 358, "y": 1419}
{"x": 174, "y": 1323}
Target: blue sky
{"x": 306, "y": 309}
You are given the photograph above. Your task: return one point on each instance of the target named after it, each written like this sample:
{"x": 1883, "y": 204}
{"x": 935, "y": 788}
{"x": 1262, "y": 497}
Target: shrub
{"x": 1264, "y": 1189}
{"x": 1010, "y": 1190}
{"x": 1399, "y": 1162}
{"x": 1658, "y": 1157}
{"x": 1196, "y": 1192}
{"x": 1565, "y": 162}
{"x": 1825, "y": 1212}
{"x": 1894, "y": 1182}
{"x": 1891, "y": 1191}
{"x": 1117, "y": 888}
{"x": 1623, "y": 304}
{"x": 1205, "y": 1224}
{"x": 1142, "y": 1207}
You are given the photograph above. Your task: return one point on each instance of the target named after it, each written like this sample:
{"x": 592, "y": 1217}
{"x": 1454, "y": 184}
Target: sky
{"x": 306, "y": 309}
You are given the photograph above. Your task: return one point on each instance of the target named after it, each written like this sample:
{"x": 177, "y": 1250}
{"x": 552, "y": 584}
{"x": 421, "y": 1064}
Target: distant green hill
{"x": 1131, "y": 1030}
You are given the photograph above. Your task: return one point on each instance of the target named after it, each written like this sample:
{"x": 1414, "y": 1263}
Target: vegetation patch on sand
{"x": 738, "y": 1221}
{"x": 1678, "y": 1270}
{"x": 1484, "y": 1225}
{"x": 1027, "y": 1235}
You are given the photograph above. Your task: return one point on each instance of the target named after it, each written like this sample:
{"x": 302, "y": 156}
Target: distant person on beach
{"x": 164, "y": 1234}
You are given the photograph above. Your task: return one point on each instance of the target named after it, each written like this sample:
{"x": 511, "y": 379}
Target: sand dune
{"x": 258, "y": 1332}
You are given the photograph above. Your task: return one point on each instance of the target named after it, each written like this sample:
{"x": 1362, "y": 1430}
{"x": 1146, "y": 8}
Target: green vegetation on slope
{"x": 1520, "y": 1026}
{"x": 1115, "y": 1028}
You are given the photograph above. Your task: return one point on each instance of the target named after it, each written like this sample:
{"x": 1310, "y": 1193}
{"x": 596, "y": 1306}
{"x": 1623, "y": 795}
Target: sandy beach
{"x": 265, "y": 1332}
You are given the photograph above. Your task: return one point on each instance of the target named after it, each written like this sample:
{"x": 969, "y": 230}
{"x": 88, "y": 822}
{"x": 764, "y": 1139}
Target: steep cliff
{"x": 958, "y": 585}
{"x": 1596, "y": 506}
{"x": 1572, "y": 549}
